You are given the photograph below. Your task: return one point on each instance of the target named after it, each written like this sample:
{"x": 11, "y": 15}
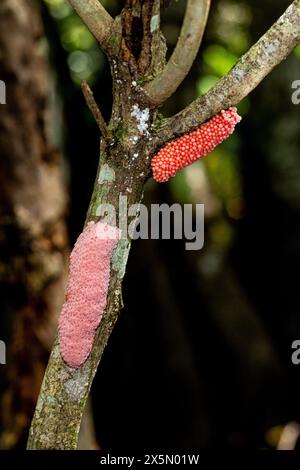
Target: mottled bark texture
{"x": 33, "y": 237}
{"x": 137, "y": 54}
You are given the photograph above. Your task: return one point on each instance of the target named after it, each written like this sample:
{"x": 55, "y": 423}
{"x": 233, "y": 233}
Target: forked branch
{"x": 182, "y": 59}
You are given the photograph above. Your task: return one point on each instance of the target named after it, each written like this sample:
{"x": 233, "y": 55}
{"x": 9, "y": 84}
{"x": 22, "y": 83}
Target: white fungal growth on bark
{"x": 142, "y": 117}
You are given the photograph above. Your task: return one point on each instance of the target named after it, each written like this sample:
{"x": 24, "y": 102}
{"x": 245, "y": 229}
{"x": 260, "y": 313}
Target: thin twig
{"x": 94, "y": 108}
{"x": 182, "y": 59}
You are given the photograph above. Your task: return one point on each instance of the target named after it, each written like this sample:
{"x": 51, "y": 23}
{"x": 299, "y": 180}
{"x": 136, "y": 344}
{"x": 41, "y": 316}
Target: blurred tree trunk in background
{"x": 33, "y": 236}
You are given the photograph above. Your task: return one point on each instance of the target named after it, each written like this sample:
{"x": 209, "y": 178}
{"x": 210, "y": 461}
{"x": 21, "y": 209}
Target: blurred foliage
{"x": 85, "y": 60}
{"x": 297, "y": 51}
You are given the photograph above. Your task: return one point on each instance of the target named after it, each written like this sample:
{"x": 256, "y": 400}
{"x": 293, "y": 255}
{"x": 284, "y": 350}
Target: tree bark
{"x": 33, "y": 235}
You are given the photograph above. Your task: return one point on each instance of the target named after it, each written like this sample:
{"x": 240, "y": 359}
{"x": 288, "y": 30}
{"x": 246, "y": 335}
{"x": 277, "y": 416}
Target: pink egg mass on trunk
{"x": 185, "y": 150}
{"x": 87, "y": 291}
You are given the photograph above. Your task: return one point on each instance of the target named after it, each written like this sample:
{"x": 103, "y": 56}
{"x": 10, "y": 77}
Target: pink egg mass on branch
{"x": 87, "y": 291}
{"x": 187, "y": 149}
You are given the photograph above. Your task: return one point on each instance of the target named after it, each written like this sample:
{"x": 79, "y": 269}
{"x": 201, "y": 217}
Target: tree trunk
{"x": 33, "y": 236}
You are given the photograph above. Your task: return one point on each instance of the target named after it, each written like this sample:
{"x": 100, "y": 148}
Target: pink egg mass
{"x": 87, "y": 291}
{"x": 185, "y": 150}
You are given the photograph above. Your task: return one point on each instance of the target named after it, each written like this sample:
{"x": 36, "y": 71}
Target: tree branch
{"x": 153, "y": 47}
{"x": 250, "y": 70}
{"x": 182, "y": 59}
{"x": 90, "y": 100}
{"x": 95, "y": 17}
